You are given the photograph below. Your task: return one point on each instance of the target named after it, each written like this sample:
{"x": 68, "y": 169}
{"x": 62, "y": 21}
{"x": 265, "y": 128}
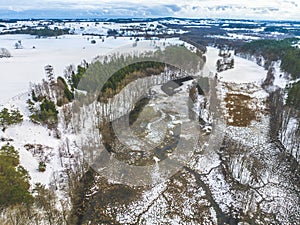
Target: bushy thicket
{"x": 48, "y": 111}
{"x": 47, "y": 114}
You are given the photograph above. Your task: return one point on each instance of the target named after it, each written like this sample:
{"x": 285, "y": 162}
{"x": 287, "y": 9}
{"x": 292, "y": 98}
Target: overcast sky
{"x": 246, "y": 9}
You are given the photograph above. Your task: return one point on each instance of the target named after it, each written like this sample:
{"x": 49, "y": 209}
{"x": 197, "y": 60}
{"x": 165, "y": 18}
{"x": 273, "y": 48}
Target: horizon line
{"x": 148, "y": 18}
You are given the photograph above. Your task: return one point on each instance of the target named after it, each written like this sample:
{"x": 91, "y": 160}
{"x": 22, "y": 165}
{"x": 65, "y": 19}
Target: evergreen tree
{"x": 9, "y": 118}
{"x": 14, "y": 179}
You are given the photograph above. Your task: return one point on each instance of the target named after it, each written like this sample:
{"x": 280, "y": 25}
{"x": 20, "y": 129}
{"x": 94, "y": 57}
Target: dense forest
{"x": 111, "y": 71}
{"x": 128, "y": 74}
{"x": 115, "y": 83}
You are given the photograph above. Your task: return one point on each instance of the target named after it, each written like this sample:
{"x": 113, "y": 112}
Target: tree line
{"x": 45, "y": 32}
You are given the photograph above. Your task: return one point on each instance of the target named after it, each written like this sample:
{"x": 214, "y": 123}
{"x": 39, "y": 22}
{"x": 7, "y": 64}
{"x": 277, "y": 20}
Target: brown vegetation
{"x": 240, "y": 114}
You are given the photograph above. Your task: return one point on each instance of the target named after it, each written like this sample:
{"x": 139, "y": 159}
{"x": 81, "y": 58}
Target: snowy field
{"x": 27, "y": 64}
{"x": 244, "y": 71}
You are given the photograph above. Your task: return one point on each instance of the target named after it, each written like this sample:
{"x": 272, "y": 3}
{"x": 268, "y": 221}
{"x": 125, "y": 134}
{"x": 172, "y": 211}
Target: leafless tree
{"x": 4, "y": 53}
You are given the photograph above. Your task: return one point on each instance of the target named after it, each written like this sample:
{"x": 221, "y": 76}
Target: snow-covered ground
{"x": 244, "y": 71}
{"x": 29, "y": 133}
{"x": 27, "y": 64}
{"x": 96, "y": 28}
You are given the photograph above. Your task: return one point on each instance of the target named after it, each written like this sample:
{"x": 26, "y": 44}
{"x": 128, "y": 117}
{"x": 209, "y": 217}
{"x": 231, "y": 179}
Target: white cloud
{"x": 254, "y": 9}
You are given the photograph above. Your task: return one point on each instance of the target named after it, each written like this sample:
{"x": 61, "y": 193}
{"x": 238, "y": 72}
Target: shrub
{"x": 42, "y": 167}
{"x": 8, "y": 118}
{"x": 47, "y": 114}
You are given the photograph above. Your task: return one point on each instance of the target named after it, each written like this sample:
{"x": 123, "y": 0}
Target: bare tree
{"x": 50, "y": 74}
{"x": 4, "y": 53}
{"x": 68, "y": 72}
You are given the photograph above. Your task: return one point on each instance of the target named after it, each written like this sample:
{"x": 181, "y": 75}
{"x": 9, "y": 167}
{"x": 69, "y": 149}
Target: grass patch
{"x": 240, "y": 115}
